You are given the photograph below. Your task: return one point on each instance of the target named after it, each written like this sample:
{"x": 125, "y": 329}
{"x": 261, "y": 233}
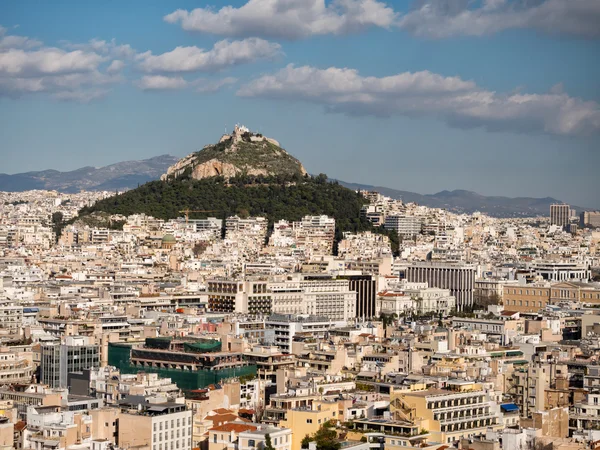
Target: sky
{"x": 500, "y": 97}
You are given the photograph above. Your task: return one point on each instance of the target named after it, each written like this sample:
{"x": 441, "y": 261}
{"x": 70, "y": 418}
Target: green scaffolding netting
{"x": 162, "y": 343}
{"x": 203, "y": 346}
{"x": 119, "y": 355}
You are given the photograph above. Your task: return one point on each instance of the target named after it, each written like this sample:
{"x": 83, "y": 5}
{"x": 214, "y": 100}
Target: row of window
{"x": 159, "y": 425}
{"x": 174, "y": 445}
{"x": 527, "y": 303}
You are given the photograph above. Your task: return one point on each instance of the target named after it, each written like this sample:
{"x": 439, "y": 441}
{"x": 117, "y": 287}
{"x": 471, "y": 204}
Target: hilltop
{"x": 239, "y": 153}
{"x": 244, "y": 174}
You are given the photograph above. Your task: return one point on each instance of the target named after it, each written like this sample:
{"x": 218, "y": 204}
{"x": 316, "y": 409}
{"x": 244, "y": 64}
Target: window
{"x": 215, "y": 438}
{"x": 308, "y": 420}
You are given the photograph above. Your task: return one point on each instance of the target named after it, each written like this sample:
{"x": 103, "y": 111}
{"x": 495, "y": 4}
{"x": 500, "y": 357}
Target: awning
{"x": 509, "y": 407}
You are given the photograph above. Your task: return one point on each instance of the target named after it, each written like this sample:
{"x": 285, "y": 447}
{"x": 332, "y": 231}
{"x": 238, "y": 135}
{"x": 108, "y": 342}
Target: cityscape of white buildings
{"x": 236, "y": 333}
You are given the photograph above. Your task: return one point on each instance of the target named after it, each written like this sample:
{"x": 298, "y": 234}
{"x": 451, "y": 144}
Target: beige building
{"x": 306, "y": 421}
{"x": 248, "y": 436}
{"x": 156, "y": 427}
{"x": 461, "y": 410}
{"x": 527, "y": 299}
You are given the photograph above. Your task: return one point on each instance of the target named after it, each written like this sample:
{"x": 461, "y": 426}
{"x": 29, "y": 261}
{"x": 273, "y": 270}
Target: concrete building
{"x": 461, "y": 410}
{"x": 365, "y": 287}
{"x": 308, "y": 420}
{"x": 406, "y": 226}
{"x": 590, "y": 219}
{"x": 560, "y": 214}
{"x": 562, "y": 271}
{"x": 251, "y": 296}
{"x": 456, "y": 277}
{"x": 526, "y": 298}
{"x": 74, "y": 354}
{"x": 288, "y": 326}
{"x": 159, "y": 426}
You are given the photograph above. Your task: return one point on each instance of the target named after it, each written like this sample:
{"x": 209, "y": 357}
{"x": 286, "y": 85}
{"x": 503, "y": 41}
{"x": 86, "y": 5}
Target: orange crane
{"x": 188, "y": 211}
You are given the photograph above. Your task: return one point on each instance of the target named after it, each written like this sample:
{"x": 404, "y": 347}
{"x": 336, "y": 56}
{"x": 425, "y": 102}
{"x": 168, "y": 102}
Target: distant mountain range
{"x": 461, "y": 201}
{"x": 130, "y": 174}
{"x": 121, "y": 176}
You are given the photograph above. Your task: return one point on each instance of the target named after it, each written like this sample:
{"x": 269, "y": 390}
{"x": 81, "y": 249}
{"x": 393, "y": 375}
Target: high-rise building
{"x": 560, "y": 214}
{"x": 459, "y": 278}
{"x": 75, "y": 354}
{"x": 365, "y": 287}
{"x": 590, "y": 219}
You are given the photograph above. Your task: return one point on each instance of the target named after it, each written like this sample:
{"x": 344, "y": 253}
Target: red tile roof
{"x": 235, "y": 427}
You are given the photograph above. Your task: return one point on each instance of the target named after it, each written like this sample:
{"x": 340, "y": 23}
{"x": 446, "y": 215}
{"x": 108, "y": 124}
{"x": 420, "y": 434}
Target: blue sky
{"x": 496, "y": 96}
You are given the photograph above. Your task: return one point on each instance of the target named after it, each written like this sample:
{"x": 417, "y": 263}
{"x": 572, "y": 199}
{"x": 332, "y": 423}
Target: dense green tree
{"x": 268, "y": 444}
{"x": 289, "y": 197}
{"x": 326, "y": 439}
{"x": 58, "y": 224}
{"x": 387, "y": 319}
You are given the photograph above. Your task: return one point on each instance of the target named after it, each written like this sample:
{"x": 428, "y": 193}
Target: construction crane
{"x": 188, "y": 211}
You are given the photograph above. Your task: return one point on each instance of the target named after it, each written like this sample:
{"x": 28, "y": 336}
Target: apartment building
{"x": 290, "y": 325}
{"x": 15, "y": 367}
{"x": 590, "y": 219}
{"x": 307, "y": 420}
{"x": 11, "y": 319}
{"x": 156, "y": 426}
{"x": 403, "y": 225}
{"x": 462, "y": 409}
{"x": 250, "y": 296}
{"x": 240, "y": 435}
{"x": 315, "y": 234}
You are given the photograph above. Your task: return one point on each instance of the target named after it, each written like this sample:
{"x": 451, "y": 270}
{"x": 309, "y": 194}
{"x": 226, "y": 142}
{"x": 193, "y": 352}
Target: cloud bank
{"x": 74, "y": 73}
{"x": 223, "y": 54}
{"x": 286, "y": 19}
{"x": 459, "y": 103}
{"x": 434, "y": 19}
{"x": 447, "y": 18}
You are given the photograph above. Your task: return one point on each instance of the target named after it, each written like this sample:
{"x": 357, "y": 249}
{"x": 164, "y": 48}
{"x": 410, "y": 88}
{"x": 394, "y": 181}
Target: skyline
{"x": 396, "y": 94}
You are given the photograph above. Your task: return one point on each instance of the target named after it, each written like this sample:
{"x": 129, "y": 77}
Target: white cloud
{"x": 223, "y": 54}
{"x": 287, "y": 19}
{"x": 115, "y": 66}
{"x": 102, "y": 47}
{"x": 446, "y": 18}
{"x": 458, "y": 102}
{"x": 46, "y": 61}
{"x": 17, "y": 42}
{"x": 161, "y": 82}
{"x": 28, "y": 67}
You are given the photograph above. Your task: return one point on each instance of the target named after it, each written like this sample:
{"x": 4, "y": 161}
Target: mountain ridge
{"x": 118, "y": 176}
{"x": 465, "y": 201}
{"x": 129, "y": 174}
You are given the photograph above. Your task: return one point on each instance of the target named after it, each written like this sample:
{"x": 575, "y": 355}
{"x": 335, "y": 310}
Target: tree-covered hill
{"x": 280, "y": 197}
